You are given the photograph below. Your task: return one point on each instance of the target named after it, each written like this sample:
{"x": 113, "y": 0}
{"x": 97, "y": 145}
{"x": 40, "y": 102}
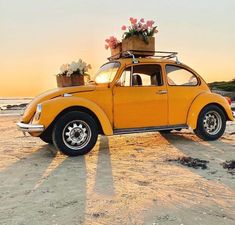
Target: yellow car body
{"x": 125, "y": 109}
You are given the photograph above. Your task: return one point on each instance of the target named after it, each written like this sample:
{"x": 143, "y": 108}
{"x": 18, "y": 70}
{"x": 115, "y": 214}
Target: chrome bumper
{"x": 30, "y": 127}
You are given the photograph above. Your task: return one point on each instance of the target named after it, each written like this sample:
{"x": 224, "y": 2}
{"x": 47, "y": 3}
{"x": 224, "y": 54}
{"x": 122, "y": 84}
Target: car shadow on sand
{"x": 44, "y": 188}
{"x": 216, "y": 152}
{"x": 104, "y": 177}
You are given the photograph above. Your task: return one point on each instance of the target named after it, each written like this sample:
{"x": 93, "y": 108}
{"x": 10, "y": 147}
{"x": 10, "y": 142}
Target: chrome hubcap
{"x": 76, "y": 134}
{"x": 212, "y": 122}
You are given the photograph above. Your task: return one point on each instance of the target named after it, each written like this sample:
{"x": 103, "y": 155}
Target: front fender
{"x": 52, "y": 108}
{"x": 201, "y": 101}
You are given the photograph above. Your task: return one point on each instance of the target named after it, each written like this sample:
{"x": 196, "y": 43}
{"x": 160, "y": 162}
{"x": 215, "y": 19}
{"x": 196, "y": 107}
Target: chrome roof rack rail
{"x": 145, "y": 54}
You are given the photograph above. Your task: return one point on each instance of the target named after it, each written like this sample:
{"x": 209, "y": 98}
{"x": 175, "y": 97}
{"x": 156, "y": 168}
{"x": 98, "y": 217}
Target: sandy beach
{"x": 126, "y": 179}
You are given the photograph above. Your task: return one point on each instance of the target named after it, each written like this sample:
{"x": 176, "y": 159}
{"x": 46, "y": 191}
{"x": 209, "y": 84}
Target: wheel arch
{"x": 78, "y": 109}
{"x": 57, "y": 107}
{"x": 204, "y": 100}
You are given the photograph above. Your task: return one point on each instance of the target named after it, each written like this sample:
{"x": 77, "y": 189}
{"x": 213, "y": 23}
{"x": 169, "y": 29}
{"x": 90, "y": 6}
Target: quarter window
{"x": 177, "y": 76}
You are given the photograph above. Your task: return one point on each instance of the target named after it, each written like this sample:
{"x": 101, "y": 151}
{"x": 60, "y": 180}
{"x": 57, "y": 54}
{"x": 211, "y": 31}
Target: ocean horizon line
{"x": 15, "y": 97}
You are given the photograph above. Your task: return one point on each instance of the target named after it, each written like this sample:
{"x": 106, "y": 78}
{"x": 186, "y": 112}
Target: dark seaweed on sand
{"x": 191, "y": 162}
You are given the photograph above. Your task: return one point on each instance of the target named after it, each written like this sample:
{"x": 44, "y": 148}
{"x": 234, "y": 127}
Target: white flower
{"x": 74, "y": 66}
{"x": 69, "y": 73}
{"x": 64, "y": 68}
{"x": 79, "y": 66}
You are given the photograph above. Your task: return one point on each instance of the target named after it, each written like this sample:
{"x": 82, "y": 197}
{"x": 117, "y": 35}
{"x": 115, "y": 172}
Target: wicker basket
{"x": 116, "y": 52}
{"x": 73, "y": 80}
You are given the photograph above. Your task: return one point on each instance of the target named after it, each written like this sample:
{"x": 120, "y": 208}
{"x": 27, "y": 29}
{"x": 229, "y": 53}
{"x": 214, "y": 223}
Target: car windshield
{"x": 106, "y": 73}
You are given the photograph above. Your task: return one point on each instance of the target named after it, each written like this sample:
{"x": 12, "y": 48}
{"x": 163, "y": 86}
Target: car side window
{"x": 177, "y": 76}
{"x": 125, "y": 78}
{"x": 142, "y": 75}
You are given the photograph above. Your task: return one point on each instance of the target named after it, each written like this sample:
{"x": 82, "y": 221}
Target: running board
{"x": 147, "y": 129}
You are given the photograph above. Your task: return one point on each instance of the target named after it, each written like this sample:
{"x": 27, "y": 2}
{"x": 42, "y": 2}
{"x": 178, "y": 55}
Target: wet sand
{"x": 125, "y": 180}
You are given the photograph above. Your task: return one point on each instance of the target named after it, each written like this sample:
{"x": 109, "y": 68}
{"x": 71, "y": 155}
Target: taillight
{"x": 229, "y": 100}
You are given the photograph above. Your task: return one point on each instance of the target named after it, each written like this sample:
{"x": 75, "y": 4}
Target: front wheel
{"x": 75, "y": 133}
{"x": 211, "y": 123}
{"x": 46, "y": 136}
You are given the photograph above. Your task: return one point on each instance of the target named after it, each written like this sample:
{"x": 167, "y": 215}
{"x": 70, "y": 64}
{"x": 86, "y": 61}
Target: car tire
{"x": 46, "y": 137}
{"x": 211, "y": 123}
{"x": 75, "y": 133}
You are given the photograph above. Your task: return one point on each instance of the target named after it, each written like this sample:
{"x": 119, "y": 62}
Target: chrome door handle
{"x": 162, "y": 92}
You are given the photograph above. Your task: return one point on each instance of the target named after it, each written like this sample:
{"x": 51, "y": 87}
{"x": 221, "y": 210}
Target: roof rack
{"x": 145, "y": 54}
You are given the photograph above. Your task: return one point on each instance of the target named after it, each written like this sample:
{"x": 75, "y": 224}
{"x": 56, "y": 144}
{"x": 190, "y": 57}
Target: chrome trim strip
{"x": 67, "y": 95}
{"x": 147, "y": 129}
{"x": 30, "y": 127}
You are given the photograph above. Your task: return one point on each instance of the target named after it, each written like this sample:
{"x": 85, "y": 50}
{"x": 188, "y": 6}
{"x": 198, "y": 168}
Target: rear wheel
{"x": 75, "y": 133}
{"x": 211, "y": 123}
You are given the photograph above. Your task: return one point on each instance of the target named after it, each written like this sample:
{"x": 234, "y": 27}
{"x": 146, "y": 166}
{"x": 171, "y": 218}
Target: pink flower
{"x": 134, "y": 26}
{"x": 133, "y": 21}
{"x": 142, "y": 20}
{"x": 112, "y": 39}
{"x": 112, "y": 42}
{"x": 145, "y": 27}
{"x": 123, "y": 27}
{"x": 139, "y": 27}
{"x": 150, "y": 23}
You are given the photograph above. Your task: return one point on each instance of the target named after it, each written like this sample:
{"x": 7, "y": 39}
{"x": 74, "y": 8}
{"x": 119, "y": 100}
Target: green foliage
{"x": 142, "y": 34}
{"x": 223, "y": 85}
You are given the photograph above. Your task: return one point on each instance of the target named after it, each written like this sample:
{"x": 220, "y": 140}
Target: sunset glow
{"x": 39, "y": 36}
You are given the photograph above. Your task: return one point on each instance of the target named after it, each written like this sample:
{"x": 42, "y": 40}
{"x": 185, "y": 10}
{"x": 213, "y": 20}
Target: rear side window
{"x": 177, "y": 76}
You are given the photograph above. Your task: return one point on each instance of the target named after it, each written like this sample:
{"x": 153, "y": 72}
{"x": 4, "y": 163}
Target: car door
{"x": 183, "y": 87}
{"x": 140, "y": 98}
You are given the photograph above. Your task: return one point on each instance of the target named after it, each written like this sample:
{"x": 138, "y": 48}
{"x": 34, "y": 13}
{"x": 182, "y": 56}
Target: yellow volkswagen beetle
{"x": 128, "y": 95}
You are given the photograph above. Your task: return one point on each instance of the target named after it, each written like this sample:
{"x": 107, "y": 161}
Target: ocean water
{"x": 4, "y": 101}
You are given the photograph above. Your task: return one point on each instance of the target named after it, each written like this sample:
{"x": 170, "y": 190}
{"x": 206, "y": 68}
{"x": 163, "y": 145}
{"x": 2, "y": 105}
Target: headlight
{"x": 38, "y": 112}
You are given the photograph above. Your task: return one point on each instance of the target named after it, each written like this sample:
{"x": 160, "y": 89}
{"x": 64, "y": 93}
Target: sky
{"x": 36, "y": 37}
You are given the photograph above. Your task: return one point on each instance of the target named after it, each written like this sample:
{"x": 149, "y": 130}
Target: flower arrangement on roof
{"x": 138, "y": 37}
{"x": 75, "y": 68}
{"x": 112, "y": 43}
{"x": 142, "y": 29}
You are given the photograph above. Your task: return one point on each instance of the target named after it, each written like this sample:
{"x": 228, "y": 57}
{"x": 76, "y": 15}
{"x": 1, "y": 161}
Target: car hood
{"x": 31, "y": 108}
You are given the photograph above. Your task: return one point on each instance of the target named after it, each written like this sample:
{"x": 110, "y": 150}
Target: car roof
{"x": 129, "y": 61}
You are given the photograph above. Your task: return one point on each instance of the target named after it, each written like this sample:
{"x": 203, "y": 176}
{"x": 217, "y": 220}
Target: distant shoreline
{"x": 13, "y": 106}
{"x": 16, "y": 98}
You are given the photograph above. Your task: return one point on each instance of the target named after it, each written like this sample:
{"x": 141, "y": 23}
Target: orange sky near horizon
{"x": 37, "y": 37}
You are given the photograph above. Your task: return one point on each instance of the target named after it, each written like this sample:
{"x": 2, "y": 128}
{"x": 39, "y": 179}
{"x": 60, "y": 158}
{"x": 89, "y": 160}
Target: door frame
{"x": 164, "y": 87}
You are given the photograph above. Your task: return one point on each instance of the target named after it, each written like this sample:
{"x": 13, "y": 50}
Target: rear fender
{"x": 203, "y": 100}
